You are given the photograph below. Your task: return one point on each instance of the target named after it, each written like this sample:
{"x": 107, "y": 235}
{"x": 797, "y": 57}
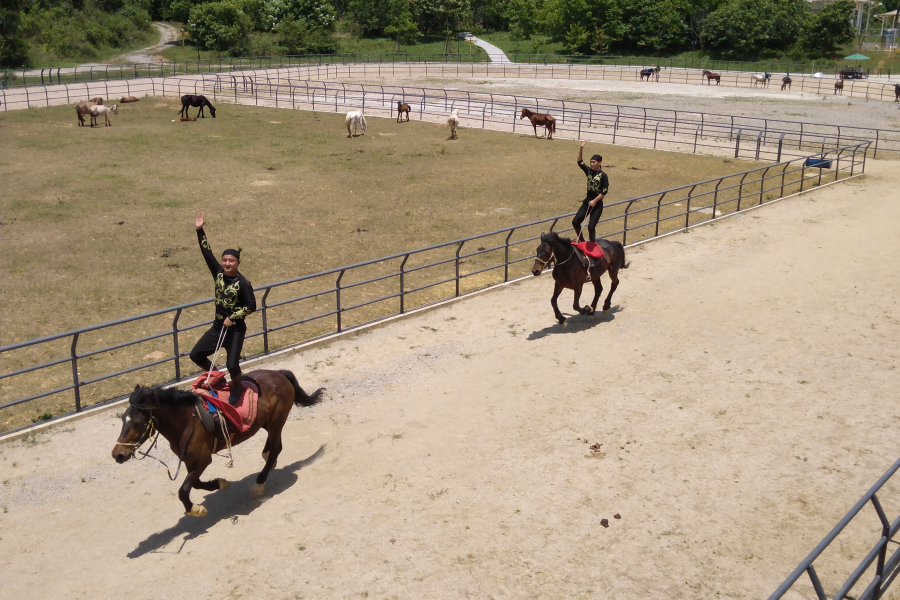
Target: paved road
{"x": 494, "y": 53}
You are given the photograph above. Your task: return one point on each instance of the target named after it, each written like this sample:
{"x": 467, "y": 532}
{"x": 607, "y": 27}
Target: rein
{"x": 147, "y": 433}
{"x": 553, "y": 257}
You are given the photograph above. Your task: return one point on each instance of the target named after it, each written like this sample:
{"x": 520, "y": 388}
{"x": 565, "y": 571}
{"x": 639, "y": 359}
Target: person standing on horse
{"x": 234, "y": 302}
{"x": 597, "y": 187}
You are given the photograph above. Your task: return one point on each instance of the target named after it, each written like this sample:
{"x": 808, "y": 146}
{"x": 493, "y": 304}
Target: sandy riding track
{"x": 743, "y": 391}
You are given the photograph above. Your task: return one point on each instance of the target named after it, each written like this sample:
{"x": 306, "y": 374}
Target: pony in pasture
{"x": 128, "y": 99}
{"x": 839, "y": 86}
{"x": 402, "y": 107}
{"x": 648, "y": 73}
{"x": 786, "y": 82}
{"x": 762, "y": 80}
{"x": 571, "y": 272}
{"x": 546, "y": 121}
{"x": 710, "y": 76}
{"x": 354, "y": 118}
{"x": 453, "y": 122}
{"x": 175, "y": 415}
{"x": 98, "y": 109}
{"x": 81, "y": 109}
{"x": 189, "y": 100}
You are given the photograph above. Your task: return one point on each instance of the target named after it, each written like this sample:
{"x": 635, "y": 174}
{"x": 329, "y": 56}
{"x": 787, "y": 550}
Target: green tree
{"x": 584, "y": 26}
{"x": 401, "y": 25}
{"x": 655, "y": 26}
{"x": 221, "y": 26}
{"x": 12, "y": 43}
{"x": 829, "y": 29}
{"x": 750, "y": 29}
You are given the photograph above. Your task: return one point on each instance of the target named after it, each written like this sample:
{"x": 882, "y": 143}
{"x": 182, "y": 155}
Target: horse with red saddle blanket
{"x": 186, "y": 421}
{"x": 578, "y": 263}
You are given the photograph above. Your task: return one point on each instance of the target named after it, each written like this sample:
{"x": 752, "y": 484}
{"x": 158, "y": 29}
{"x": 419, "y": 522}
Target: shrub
{"x": 222, "y": 26}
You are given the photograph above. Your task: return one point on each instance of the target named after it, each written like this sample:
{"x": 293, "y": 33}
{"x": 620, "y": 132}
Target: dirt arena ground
{"x": 742, "y": 393}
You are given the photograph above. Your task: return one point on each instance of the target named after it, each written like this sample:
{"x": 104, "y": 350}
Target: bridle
{"x": 152, "y": 427}
{"x": 552, "y": 257}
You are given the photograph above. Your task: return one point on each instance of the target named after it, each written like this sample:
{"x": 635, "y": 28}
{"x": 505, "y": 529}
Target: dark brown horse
{"x": 710, "y": 76}
{"x": 839, "y": 86}
{"x": 540, "y": 120}
{"x": 189, "y": 100}
{"x": 569, "y": 272}
{"x": 786, "y": 82}
{"x": 174, "y": 415}
{"x": 897, "y": 92}
{"x": 648, "y": 73}
{"x": 402, "y": 107}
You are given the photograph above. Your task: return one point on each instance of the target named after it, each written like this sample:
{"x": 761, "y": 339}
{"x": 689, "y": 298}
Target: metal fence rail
{"x": 307, "y": 307}
{"x": 886, "y": 568}
{"x": 761, "y": 139}
{"x": 19, "y": 77}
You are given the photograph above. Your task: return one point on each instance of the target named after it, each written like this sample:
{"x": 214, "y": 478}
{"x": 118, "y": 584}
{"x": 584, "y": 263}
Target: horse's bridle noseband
{"x": 552, "y": 257}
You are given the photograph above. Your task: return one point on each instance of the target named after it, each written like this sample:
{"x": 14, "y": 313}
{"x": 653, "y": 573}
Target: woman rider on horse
{"x": 597, "y": 187}
{"x": 234, "y": 302}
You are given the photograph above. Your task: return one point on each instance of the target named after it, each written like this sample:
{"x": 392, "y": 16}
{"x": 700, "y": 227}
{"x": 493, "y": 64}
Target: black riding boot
{"x": 236, "y": 390}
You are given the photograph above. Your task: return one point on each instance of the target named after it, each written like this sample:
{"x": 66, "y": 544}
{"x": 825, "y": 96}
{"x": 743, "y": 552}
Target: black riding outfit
{"x": 597, "y": 183}
{"x": 235, "y": 300}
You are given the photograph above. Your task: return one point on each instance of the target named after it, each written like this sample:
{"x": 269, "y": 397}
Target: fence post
{"x": 741, "y": 192}
{"x": 403, "y": 284}
{"x": 265, "y": 319}
{"x": 758, "y": 144}
{"x": 780, "y": 143}
{"x": 506, "y": 256}
{"x": 737, "y": 144}
{"x": 337, "y": 290}
{"x": 655, "y": 132}
{"x": 762, "y": 184}
{"x": 75, "y": 380}
{"x": 783, "y": 171}
{"x": 697, "y": 133}
{"x": 175, "y": 344}
{"x": 687, "y": 212}
{"x": 625, "y": 224}
{"x": 458, "y": 249}
{"x": 658, "y": 209}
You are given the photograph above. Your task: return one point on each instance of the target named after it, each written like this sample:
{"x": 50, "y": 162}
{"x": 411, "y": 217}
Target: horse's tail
{"x": 301, "y": 398}
{"x": 623, "y": 265}
{"x": 362, "y": 118}
{"x": 553, "y": 126}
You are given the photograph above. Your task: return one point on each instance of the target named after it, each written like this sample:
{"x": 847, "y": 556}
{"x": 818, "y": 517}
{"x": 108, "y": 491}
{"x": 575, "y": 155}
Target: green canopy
{"x": 856, "y": 56}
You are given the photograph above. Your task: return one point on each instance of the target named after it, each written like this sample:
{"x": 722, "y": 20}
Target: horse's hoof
{"x": 564, "y": 323}
{"x": 223, "y": 484}
{"x": 606, "y": 310}
{"x": 258, "y": 490}
{"x": 196, "y": 511}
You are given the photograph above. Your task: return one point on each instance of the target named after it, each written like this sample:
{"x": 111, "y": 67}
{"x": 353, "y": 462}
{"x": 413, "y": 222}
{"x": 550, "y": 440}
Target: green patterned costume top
{"x": 597, "y": 183}
{"x": 234, "y": 295}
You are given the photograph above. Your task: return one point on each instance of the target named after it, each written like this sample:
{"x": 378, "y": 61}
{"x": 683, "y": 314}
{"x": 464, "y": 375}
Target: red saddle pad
{"x": 217, "y": 391}
{"x": 591, "y": 249}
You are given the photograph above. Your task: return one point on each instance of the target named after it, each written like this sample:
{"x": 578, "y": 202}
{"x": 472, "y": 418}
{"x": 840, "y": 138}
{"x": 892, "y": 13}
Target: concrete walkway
{"x": 494, "y": 53}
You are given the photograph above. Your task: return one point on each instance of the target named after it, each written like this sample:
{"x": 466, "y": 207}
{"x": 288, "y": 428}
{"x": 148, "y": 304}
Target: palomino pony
{"x": 98, "y": 109}
{"x": 712, "y": 76}
{"x": 569, "y": 272}
{"x": 173, "y": 413}
{"x": 648, "y": 73}
{"x": 83, "y": 108}
{"x": 354, "y": 118}
{"x": 453, "y": 122}
{"x": 540, "y": 120}
{"x": 189, "y": 100}
{"x": 402, "y": 107}
{"x": 762, "y": 80}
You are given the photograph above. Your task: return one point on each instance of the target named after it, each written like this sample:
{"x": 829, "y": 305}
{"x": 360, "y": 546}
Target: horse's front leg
{"x": 556, "y": 292}
{"x": 576, "y": 302}
{"x": 193, "y": 480}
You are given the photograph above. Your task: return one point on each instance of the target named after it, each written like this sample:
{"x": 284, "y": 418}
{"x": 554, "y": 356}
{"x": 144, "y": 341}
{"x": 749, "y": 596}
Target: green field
{"x": 97, "y": 224}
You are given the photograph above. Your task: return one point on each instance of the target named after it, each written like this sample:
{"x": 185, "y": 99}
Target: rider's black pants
{"x": 592, "y": 221}
{"x": 234, "y": 341}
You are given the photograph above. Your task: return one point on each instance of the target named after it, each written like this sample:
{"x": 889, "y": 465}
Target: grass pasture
{"x": 97, "y": 224}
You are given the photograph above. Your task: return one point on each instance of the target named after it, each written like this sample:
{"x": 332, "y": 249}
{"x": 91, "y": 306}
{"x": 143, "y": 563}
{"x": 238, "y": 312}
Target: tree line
{"x": 37, "y": 30}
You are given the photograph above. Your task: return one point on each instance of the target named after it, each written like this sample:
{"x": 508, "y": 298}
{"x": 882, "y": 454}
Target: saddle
{"x": 588, "y": 254}
{"x": 214, "y": 401}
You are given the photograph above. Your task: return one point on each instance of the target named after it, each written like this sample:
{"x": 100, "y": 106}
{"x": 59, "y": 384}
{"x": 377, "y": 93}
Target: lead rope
{"x": 216, "y": 355}
{"x": 230, "y": 462}
{"x": 146, "y": 454}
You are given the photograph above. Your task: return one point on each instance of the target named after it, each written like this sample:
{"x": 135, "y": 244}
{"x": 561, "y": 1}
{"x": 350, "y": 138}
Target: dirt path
{"x": 742, "y": 392}
{"x": 168, "y": 35}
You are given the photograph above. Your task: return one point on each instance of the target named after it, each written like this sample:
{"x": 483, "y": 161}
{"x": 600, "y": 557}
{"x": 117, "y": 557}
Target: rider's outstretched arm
{"x": 205, "y": 248}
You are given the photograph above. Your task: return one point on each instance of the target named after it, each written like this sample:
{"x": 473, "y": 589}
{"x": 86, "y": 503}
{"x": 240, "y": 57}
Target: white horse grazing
{"x": 99, "y": 109}
{"x": 453, "y": 122}
{"x": 354, "y": 118}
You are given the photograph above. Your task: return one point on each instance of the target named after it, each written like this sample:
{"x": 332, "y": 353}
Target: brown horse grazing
{"x": 712, "y": 76}
{"x": 839, "y": 86}
{"x": 402, "y": 107}
{"x": 542, "y": 120}
{"x": 897, "y": 92}
{"x": 569, "y": 272}
{"x": 84, "y": 108}
{"x": 174, "y": 415}
{"x": 786, "y": 82}
{"x": 189, "y": 100}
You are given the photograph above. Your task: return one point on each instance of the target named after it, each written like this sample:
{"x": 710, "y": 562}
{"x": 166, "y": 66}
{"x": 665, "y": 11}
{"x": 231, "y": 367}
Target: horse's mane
{"x": 170, "y": 397}
{"x": 553, "y": 236}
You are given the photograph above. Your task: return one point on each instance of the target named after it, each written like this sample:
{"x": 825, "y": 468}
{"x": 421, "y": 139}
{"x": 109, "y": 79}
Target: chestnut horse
{"x": 569, "y": 272}
{"x": 402, "y": 107}
{"x": 839, "y": 86}
{"x": 173, "y": 414}
{"x": 189, "y": 100}
{"x": 710, "y": 76}
{"x": 542, "y": 120}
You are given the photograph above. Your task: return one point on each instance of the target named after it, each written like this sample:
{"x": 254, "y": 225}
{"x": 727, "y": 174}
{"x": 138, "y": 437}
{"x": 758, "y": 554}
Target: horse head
{"x": 138, "y": 423}
{"x": 544, "y": 255}
{"x": 525, "y": 113}
{"x": 212, "y": 109}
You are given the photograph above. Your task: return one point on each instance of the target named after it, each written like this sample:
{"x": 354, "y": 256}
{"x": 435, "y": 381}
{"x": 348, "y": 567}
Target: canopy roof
{"x": 856, "y": 56}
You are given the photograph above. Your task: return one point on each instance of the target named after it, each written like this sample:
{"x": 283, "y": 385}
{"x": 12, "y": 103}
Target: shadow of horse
{"x": 577, "y": 323}
{"x": 225, "y": 504}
